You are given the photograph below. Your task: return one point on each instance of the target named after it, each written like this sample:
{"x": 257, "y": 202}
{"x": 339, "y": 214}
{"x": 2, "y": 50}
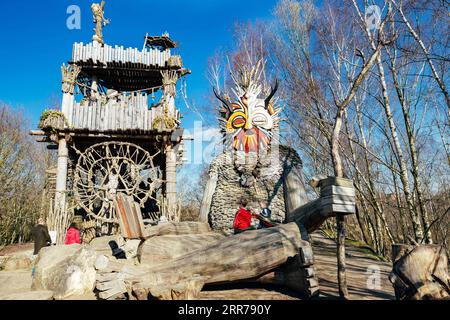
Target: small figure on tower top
{"x": 99, "y": 20}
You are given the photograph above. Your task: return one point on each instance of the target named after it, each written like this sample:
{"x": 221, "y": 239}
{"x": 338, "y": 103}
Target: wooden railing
{"x": 107, "y": 54}
{"x": 114, "y": 116}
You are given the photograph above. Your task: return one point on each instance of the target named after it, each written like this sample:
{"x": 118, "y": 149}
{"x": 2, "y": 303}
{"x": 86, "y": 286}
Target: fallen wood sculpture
{"x": 168, "y": 247}
{"x": 420, "y": 272}
{"x": 244, "y": 256}
{"x": 284, "y": 248}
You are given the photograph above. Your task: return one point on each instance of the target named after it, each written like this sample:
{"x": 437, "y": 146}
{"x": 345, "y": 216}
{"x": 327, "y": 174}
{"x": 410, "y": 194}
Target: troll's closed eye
{"x": 261, "y": 118}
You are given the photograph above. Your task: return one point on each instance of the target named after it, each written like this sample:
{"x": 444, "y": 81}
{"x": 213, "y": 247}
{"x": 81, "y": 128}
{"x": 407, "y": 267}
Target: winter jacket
{"x": 41, "y": 237}
{"x": 243, "y": 219}
{"x": 72, "y": 236}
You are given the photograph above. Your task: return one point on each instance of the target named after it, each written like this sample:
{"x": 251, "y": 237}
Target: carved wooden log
{"x": 420, "y": 272}
{"x": 176, "y": 228}
{"x": 169, "y": 247}
{"x": 244, "y": 256}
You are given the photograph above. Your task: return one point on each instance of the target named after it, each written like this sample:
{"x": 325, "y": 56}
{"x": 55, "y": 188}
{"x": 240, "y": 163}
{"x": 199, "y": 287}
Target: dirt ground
{"x": 362, "y": 271}
{"x": 7, "y": 250}
{"x": 361, "y": 268}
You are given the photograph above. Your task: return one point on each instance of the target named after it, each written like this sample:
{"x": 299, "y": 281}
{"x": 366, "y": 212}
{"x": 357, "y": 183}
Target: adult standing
{"x": 40, "y": 236}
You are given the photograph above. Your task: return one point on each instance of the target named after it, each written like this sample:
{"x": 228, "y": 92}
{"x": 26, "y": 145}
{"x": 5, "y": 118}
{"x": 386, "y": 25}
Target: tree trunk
{"x": 412, "y": 148}
{"x": 418, "y": 231}
{"x": 340, "y": 220}
{"x": 427, "y": 56}
{"x": 342, "y": 277}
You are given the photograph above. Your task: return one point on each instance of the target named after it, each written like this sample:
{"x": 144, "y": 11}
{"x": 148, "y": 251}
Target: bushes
{"x": 52, "y": 119}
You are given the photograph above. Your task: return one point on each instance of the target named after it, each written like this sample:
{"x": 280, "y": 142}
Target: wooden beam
{"x": 37, "y": 133}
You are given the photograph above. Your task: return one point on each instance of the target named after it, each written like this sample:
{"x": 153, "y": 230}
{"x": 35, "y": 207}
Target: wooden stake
{"x": 342, "y": 277}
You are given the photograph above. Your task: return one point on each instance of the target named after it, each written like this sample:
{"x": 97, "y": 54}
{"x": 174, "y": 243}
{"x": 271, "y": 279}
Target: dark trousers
{"x": 236, "y": 231}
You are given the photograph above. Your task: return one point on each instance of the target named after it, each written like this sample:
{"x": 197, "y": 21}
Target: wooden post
{"x": 207, "y": 196}
{"x": 67, "y": 105}
{"x": 94, "y": 87}
{"x": 340, "y": 220}
{"x": 171, "y": 181}
{"x": 61, "y": 184}
{"x": 342, "y": 278}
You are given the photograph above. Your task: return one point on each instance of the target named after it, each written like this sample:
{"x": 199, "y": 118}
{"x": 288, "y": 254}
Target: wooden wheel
{"x": 107, "y": 168}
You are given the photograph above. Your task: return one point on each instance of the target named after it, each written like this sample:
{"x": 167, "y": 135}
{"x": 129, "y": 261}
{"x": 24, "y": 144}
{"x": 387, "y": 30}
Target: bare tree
{"x": 22, "y": 166}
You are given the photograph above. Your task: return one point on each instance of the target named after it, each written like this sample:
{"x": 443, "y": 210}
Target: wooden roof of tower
{"x": 127, "y": 69}
{"x": 163, "y": 41}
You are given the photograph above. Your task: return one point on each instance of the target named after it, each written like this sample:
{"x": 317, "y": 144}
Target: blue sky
{"x": 36, "y": 41}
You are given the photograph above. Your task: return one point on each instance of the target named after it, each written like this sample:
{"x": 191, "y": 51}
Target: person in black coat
{"x": 40, "y": 236}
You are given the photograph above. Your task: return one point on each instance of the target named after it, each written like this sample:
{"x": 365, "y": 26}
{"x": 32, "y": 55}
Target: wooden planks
{"x": 97, "y": 54}
{"x": 129, "y": 215}
{"x": 337, "y": 196}
{"x": 114, "y": 116}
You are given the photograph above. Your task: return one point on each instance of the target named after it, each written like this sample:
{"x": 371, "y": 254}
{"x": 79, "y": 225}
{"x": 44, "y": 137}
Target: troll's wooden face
{"x": 250, "y": 120}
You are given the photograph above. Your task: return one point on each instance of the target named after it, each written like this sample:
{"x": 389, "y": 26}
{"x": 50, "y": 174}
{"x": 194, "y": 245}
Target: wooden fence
{"x": 108, "y": 54}
{"x": 115, "y": 116}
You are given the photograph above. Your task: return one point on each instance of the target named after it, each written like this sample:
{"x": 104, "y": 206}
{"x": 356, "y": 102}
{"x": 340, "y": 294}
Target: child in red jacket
{"x": 243, "y": 219}
{"x": 72, "y": 235}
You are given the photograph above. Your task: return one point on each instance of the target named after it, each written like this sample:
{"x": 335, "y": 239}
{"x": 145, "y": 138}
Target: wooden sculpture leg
{"x": 244, "y": 256}
{"x": 420, "y": 272}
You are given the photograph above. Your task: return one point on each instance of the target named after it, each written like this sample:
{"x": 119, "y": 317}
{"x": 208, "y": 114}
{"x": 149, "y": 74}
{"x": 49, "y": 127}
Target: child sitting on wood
{"x": 243, "y": 219}
{"x": 264, "y": 217}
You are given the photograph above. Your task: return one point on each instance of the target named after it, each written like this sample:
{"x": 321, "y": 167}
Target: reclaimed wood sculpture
{"x": 245, "y": 256}
{"x": 420, "y": 272}
{"x": 259, "y": 168}
{"x": 284, "y": 248}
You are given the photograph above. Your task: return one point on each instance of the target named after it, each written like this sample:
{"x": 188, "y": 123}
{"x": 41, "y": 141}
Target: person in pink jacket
{"x": 72, "y": 235}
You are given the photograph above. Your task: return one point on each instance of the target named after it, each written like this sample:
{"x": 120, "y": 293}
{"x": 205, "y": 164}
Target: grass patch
{"x": 364, "y": 248}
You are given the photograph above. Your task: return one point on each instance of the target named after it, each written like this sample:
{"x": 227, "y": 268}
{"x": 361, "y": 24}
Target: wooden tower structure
{"x": 118, "y": 130}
